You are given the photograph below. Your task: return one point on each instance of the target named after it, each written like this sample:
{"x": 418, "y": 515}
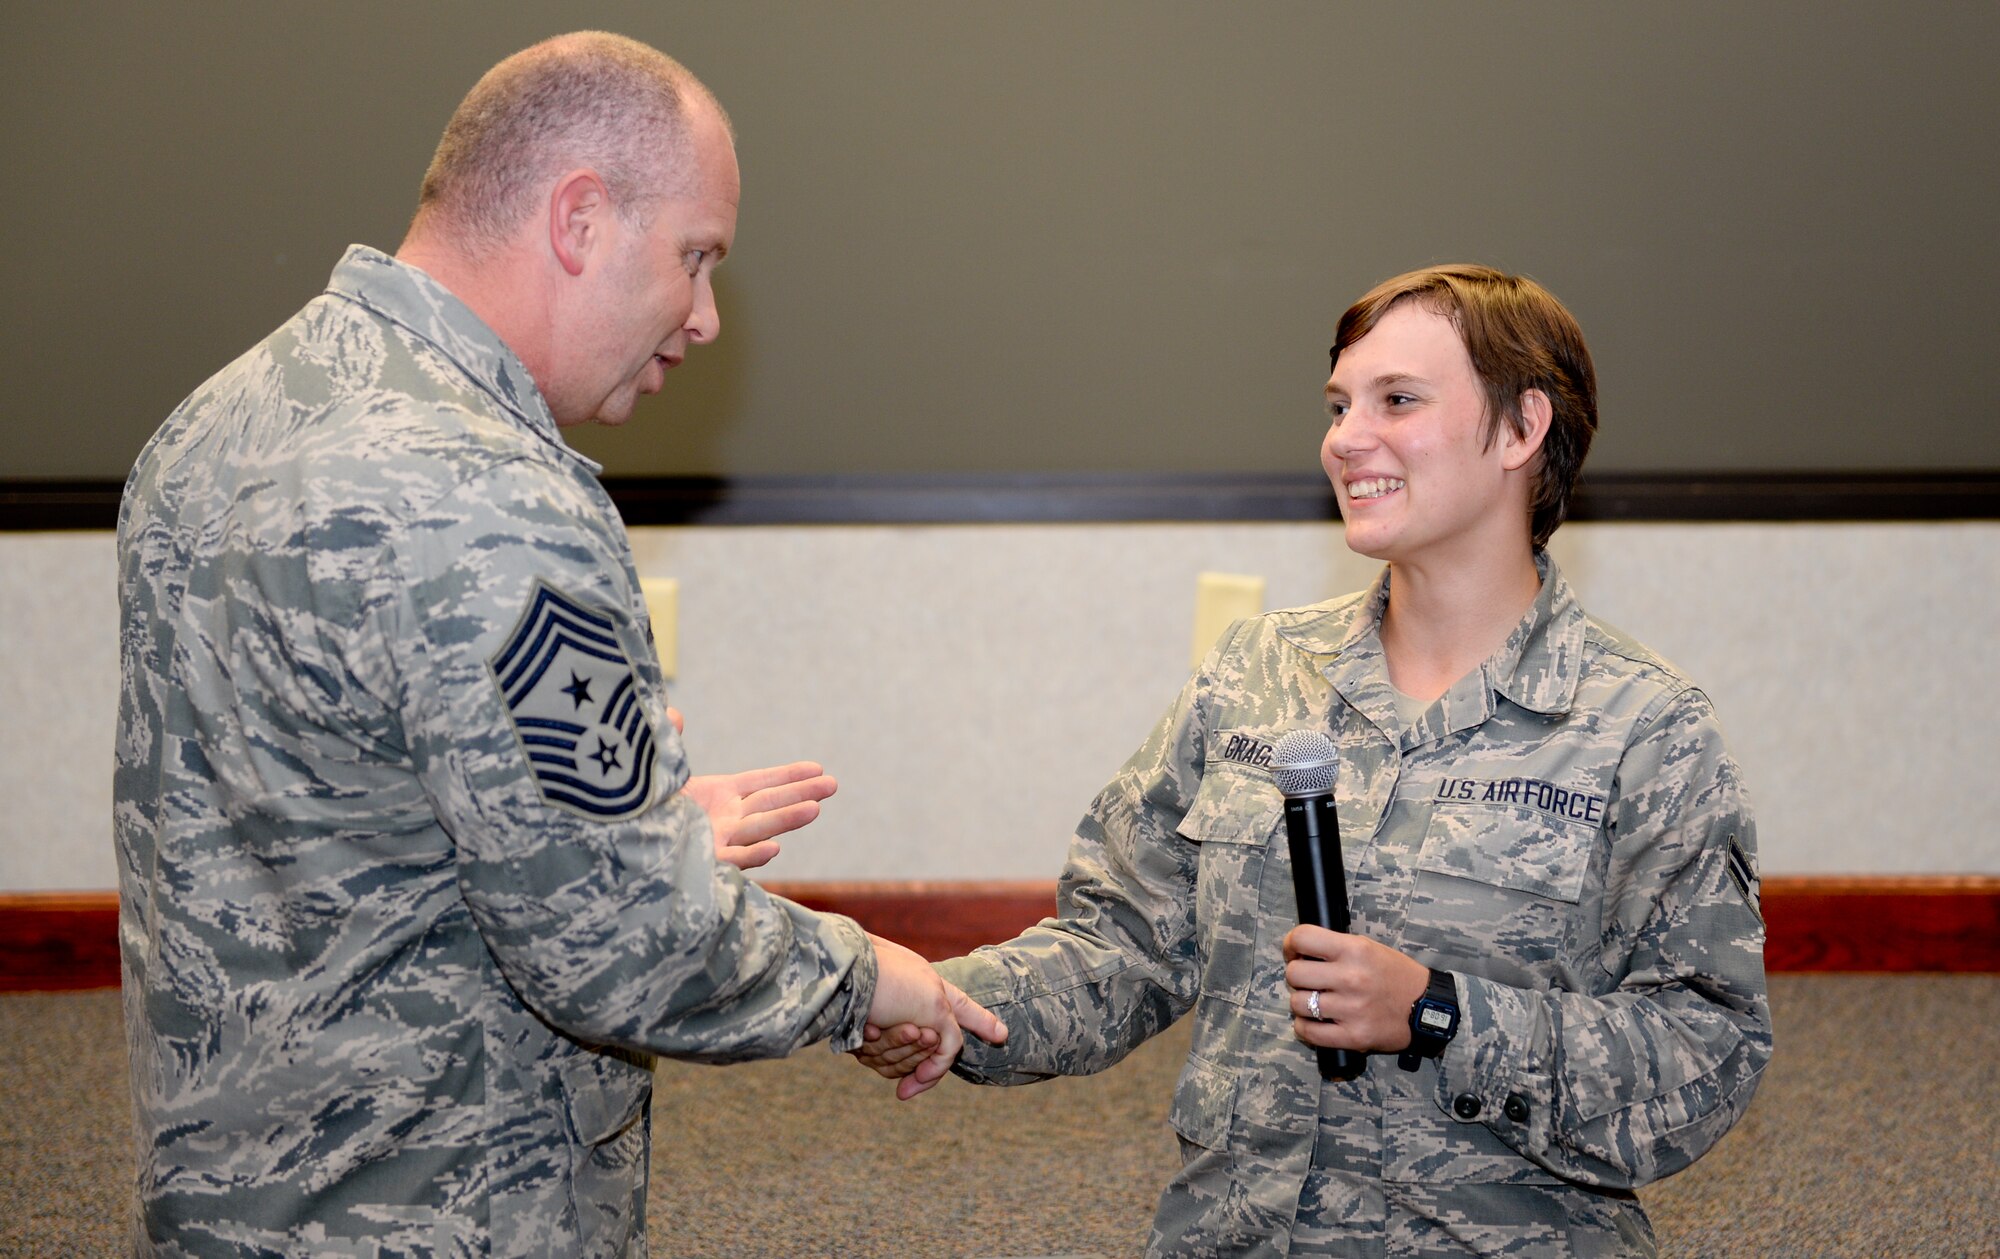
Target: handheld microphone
{"x": 1303, "y": 764}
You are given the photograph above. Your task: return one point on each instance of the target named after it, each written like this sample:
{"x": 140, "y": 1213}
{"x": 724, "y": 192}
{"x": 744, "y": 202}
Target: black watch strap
{"x": 1433, "y": 1021}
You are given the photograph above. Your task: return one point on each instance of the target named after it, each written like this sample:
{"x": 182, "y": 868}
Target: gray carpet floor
{"x": 1876, "y": 1133}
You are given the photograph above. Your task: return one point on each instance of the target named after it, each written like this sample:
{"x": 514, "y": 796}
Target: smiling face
{"x": 1407, "y": 454}
{"x": 654, "y": 295}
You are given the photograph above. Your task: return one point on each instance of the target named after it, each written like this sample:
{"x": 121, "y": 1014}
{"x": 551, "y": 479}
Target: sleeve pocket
{"x": 605, "y": 1092}
{"x": 1204, "y": 1101}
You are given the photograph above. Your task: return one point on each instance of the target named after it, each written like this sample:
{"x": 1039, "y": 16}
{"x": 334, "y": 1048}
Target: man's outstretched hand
{"x": 749, "y": 810}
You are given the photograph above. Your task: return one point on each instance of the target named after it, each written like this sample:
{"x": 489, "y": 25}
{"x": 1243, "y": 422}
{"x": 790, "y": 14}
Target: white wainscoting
{"x": 973, "y": 685}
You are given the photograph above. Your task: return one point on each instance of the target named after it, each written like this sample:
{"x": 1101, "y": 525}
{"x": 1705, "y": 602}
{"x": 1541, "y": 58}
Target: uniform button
{"x": 1465, "y": 1106}
{"x": 1516, "y": 1108}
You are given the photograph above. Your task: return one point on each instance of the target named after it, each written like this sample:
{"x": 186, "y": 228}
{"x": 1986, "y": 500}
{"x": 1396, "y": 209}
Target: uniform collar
{"x": 1537, "y": 667}
{"x": 413, "y": 300}
{"x": 1539, "y": 664}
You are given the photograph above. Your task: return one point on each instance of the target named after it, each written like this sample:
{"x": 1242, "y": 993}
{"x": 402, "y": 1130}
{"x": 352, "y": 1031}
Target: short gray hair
{"x": 589, "y": 98}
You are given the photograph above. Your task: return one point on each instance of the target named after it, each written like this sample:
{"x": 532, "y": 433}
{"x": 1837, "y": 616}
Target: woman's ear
{"x": 1519, "y": 445}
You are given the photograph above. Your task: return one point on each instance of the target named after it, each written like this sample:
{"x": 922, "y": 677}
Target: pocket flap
{"x": 1204, "y": 1100}
{"x": 1233, "y": 807}
{"x": 605, "y": 1091}
{"x": 1423, "y": 1144}
{"x": 1508, "y": 846}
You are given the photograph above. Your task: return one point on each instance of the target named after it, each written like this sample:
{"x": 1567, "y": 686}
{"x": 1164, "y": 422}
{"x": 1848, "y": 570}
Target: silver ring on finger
{"x": 1312, "y": 1005}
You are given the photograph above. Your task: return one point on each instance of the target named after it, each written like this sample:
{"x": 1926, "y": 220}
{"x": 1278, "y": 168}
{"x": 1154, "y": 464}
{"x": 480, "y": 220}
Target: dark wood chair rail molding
{"x": 54, "y": 941}
{"x": 1107, "y": 497}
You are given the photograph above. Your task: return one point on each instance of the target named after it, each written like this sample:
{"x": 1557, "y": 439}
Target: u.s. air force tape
{"x": 573, "y": 697}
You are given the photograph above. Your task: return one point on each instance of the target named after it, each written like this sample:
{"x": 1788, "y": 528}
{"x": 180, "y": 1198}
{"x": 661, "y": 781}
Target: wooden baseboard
{"x": 58, "y": 940}
{"x": 938, "y": 920}
{"x": 1882, "y": 923}
{"x": 1893, "y": 923}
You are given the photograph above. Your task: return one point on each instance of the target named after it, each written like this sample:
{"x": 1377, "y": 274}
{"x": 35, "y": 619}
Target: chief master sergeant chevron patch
{"x": 573, "y": 696}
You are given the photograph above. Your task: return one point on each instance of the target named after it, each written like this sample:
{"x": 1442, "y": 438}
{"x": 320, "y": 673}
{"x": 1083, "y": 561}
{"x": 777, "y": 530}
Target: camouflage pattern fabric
{"x": 1563, "y": 830}
{"x": 409, "y": 896}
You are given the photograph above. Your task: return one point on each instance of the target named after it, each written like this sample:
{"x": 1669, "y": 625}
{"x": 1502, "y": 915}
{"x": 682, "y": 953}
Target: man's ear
{"x": 1519, "y": 446}
{"x": 579, "y": 212}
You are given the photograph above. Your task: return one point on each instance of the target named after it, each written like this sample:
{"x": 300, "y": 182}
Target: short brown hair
{"x": 1519, "y": 338}
{"x": 589, "y": 98}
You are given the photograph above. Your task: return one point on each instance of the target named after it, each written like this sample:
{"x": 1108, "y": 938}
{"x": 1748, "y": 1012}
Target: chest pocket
{"x": 1508, "y": 847}
{"x": 1497, "y": 891}
{"x": 1233, "y": 818}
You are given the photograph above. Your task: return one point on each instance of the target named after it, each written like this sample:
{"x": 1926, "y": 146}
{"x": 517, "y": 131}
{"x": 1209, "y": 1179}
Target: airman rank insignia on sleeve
{"x": 1744, "y": 875}
{"x": 574, "y": 700}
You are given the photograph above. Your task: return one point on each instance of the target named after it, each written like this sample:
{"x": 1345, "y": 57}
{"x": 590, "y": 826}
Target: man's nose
{"x": 704, "y": 321}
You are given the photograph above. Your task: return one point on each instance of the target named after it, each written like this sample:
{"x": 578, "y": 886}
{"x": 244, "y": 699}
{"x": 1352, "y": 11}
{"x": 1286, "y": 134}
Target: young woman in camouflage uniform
{"x": 1542, "y": 829}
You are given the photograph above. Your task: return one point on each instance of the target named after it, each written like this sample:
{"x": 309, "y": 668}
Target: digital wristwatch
{"x": 1433, "y": 1021}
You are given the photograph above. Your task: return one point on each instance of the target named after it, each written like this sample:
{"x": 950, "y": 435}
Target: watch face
{"x": 1434, "y": 1019}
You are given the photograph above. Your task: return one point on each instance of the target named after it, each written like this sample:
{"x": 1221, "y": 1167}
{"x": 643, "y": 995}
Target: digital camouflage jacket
{"x": 409, "y": 896}
{"x": 1562, "y": 830}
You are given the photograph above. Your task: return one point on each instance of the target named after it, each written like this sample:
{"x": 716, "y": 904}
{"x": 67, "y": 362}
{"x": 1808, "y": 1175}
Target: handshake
{"x": 917, "y": 1021}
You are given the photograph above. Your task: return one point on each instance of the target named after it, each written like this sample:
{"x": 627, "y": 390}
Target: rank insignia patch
{"x": 574, "y": 699}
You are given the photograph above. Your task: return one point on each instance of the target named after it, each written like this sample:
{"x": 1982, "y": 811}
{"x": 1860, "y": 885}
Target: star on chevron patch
{"x": 573, "y": 696}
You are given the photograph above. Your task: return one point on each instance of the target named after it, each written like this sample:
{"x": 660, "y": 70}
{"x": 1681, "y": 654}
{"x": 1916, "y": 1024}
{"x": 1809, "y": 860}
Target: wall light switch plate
{"x": 1220, "y": 598}
{"x": 663, "y": 608}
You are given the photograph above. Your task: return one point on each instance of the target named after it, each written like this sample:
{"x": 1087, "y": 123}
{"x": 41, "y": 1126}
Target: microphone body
{"x": 1303, "y": 765}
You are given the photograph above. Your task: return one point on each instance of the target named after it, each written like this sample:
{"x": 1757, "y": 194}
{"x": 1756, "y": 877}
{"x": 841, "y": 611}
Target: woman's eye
{"x": 1336, "y": 409}
{"x": 1400, "y": 399}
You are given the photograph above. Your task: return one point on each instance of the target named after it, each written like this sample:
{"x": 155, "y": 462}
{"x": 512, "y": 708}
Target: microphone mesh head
{"x": 1303, "y": 764}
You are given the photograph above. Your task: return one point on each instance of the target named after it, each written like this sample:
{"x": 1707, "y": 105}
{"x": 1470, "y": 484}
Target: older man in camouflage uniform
{"x": 1539, "y": 811}
{"x": 410, "y": 891}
